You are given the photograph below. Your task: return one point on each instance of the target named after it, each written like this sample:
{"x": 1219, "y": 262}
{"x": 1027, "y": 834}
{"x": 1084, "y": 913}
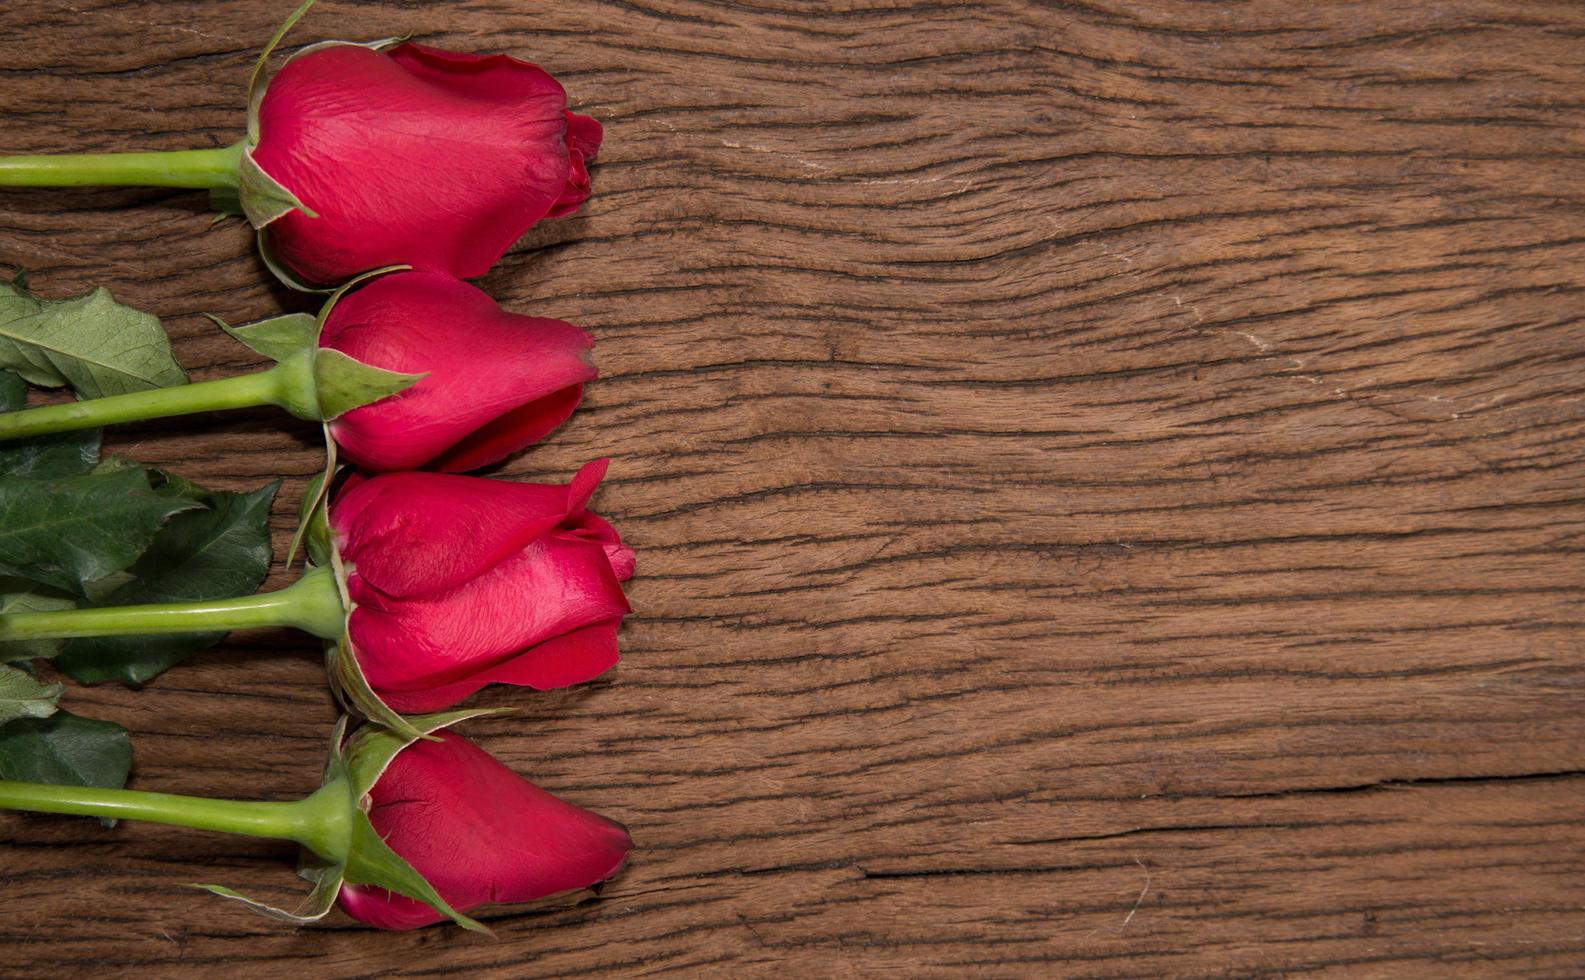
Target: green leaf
{"x": 67, "y": 454}
{"x": 218, "y": 552}
{"x": 116, "y": 464}
{"x": 22, "y": 696}
{"x": 169, "y": 484}
{"x": 13, "y": 392}
{"x": 47, "y": 457}
{"x": 70, "y": 531}
{"x": 20, "y": 595}
{"x": 66, "y": 750}
{"x": 91, "y": 342}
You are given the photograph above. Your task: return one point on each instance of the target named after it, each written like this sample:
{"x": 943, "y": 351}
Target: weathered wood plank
{"x": 1106, "y": 482}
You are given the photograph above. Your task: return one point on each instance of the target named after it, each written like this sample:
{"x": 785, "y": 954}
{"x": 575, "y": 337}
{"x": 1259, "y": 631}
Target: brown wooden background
{"x": 1106, "y": 477}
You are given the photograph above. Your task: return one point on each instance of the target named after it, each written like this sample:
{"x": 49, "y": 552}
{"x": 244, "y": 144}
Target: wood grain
{"x": 1106, "y": 479}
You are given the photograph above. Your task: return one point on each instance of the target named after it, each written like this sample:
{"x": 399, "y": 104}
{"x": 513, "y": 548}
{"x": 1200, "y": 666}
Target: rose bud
{"x": 480, "y": 833}
{"x": 458, "y": 582}
{"x": 495, "y": 381}
{"x": 416, "y": 156}
{"x": 412, "y": 370}
{"x": 455, "y": 582}
{"x": 359, "y": 157}
{"x": 405, "y": 833}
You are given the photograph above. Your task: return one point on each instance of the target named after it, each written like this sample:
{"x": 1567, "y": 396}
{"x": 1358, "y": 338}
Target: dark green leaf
{"x": 42, "y": 457}
{"x": 66, "y": 750}
{"x": 90, "y": 342}
{"x": 115, "y": 464}
{"x": 218, "y": 552}
{"x": 20, "y": 595}
{"x": 70, "y": 531}
{"x": 22, "y": 696}
{"x": 168, "y": 484}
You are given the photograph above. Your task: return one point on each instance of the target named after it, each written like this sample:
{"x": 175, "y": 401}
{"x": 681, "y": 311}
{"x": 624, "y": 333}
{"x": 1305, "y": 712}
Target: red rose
{"x": 461, "y": 581}
{"x": 496, "y": 381}
{"x": 417, "y": 156}
{"x": 480, "y": 833}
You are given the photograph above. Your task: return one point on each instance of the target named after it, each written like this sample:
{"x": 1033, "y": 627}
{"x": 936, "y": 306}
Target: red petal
{"x": 584, "y": 483}
{"x": 496, "y": 381}
{"x": 562, "y": 661}
{"x": 555, "y": 586}
{"x": 584, "y": 134}
{"x": 517, "y": 429}
{"x": 410, "y": 534}
{"x": 583, "y": 142}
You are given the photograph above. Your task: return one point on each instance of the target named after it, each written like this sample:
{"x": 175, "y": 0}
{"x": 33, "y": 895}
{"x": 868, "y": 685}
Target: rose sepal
{"x": 262, "y": 198}
{"x": 319, "y": 383}
{"x": 325, "y": 871}
{"x": 352, "y": 689}
{"x": 347, "y": 681}
{"x": 313, "y": 517}
{"x": 257, "y": 85}
{"x": 359, "y": 856}
{"x": 370, "y": 861}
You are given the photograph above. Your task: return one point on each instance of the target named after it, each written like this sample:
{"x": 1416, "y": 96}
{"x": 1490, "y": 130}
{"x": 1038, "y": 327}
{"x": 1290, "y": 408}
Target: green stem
{"x": 215, "y": 169}
{"x": 321, "y": 822}
{"x": 275, "y": 386}
{"x": 312, "y": 604}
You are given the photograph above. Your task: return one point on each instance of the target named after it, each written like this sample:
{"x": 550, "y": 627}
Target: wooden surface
{"x": 1106, "y": 480}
